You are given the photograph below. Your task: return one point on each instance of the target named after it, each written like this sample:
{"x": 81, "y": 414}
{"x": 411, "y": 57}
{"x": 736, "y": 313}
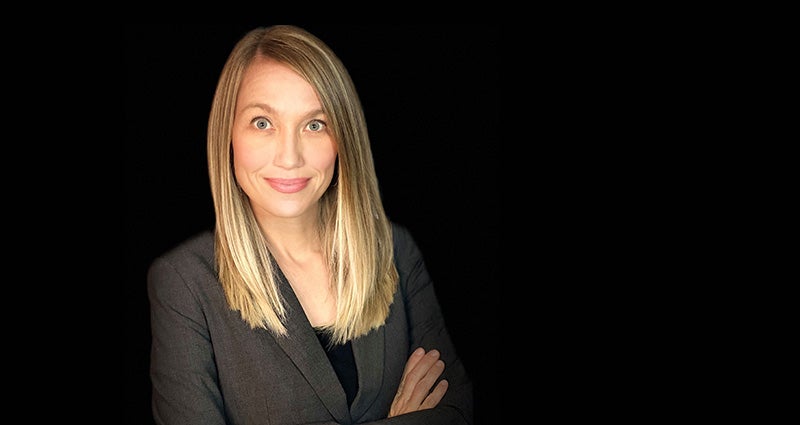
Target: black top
{"x": 341, "y": 357}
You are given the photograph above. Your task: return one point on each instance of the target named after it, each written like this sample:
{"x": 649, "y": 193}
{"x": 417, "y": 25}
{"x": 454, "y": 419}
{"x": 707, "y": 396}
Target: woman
{"x": 305, "y": 304}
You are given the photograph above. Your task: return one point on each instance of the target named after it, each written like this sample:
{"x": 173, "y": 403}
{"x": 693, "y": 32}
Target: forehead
{"x": 266, "y": 78}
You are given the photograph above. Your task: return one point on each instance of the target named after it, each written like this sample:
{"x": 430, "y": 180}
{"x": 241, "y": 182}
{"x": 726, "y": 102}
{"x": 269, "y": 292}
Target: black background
{"x": 431, "y": 99}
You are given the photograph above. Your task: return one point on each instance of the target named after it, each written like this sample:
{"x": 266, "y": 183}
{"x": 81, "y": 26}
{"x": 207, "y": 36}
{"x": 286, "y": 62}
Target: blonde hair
{"x": 354, "y": 229}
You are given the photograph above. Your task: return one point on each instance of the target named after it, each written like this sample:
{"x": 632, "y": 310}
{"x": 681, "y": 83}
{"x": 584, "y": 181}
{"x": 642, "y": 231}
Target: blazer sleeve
{"x": 182, "y": 365}
{"x": 427, "y": 329}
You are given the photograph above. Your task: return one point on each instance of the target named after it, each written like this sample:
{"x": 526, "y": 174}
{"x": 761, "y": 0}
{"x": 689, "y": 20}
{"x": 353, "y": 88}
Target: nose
{"x": 288, "y": 153}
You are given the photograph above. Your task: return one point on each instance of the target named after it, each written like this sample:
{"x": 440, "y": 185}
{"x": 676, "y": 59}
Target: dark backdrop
{"x": 431, "y": 98}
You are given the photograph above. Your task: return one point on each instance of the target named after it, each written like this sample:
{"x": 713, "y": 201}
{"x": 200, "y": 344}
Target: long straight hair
{"x": 354, "y": 229}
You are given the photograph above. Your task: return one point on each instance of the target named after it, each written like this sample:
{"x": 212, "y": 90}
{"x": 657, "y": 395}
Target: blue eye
{"x": 262, "y": 123}
{"x": 316, "y": 126}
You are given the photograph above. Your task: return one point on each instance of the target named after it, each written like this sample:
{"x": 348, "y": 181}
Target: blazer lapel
{"x": 368, "y": 351}
{"x": 306, "y": 352}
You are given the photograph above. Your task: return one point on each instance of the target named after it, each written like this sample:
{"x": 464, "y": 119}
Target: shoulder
{"x": 407, "y": 254}
{"x": 185, "y": 275}
{"x": 402, "y": 239}
{"x": 194, "y": 253}
{"x": 400, "y": 234}
{"x": 200, "y": 244}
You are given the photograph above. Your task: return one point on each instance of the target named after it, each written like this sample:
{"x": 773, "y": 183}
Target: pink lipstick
{"x": 288, "y": 185}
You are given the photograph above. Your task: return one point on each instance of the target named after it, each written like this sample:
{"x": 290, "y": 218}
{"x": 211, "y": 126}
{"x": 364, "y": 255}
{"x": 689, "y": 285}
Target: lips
{"x": 288, "y": 185}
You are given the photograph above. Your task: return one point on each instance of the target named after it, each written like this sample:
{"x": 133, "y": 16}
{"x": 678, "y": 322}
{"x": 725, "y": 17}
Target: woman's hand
{"x": 419, "y": 376}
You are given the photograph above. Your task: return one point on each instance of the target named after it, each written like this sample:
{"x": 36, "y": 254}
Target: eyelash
{"x": 315, "y": 121}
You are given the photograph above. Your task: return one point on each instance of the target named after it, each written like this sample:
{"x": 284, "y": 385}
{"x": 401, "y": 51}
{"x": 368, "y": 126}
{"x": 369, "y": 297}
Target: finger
{"x": 414, "y": 359}
{"x": 420, "y": 374}
{"x": 417, "y": 368}
{"x": 435, "y": 396}
{"x": 423, "y": 384}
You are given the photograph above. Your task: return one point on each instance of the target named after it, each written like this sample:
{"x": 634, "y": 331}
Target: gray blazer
{"x": 208, "y": 366}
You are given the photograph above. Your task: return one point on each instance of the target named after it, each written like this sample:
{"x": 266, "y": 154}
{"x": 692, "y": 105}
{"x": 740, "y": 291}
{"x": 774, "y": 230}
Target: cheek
{"x": 324, "y": 159}
{"x": 246, "y": 157}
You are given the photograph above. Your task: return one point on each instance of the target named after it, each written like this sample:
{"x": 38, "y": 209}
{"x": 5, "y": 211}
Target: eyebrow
{"x": 269, "y": 109}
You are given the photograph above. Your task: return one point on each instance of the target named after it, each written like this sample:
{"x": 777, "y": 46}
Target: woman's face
{"x": 283, "y": 153}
